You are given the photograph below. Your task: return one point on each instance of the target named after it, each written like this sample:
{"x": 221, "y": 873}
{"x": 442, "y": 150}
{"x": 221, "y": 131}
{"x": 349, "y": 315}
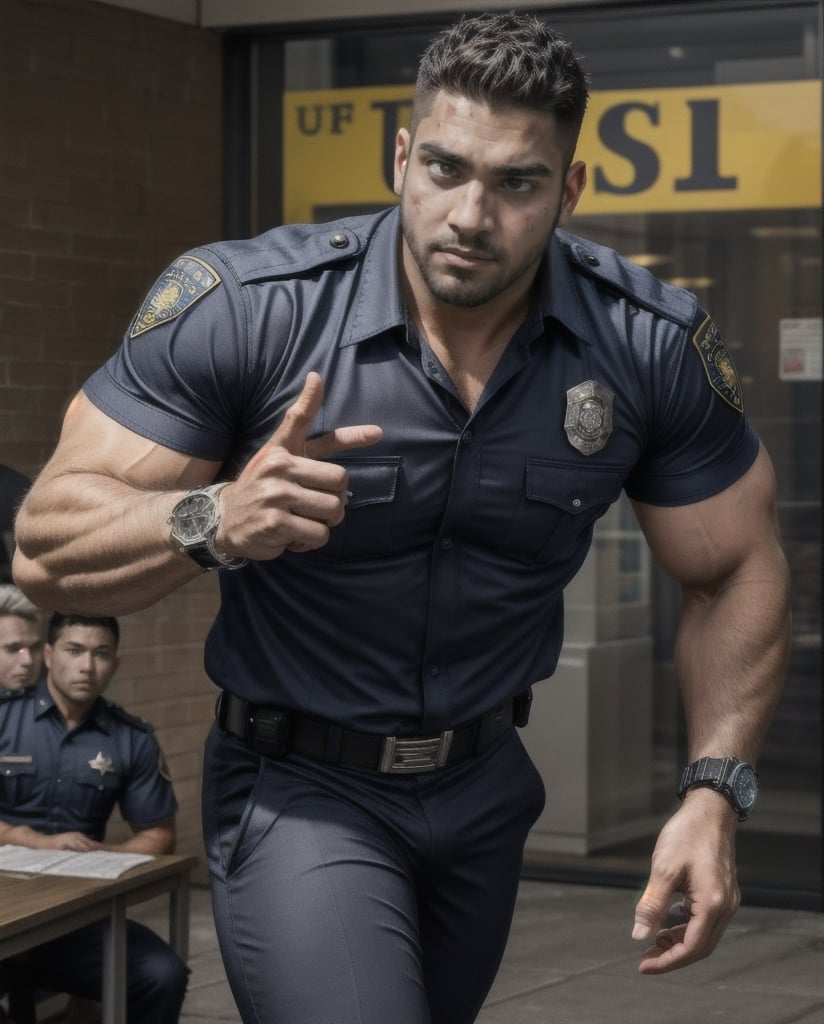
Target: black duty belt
{"x": 275, "y": 732}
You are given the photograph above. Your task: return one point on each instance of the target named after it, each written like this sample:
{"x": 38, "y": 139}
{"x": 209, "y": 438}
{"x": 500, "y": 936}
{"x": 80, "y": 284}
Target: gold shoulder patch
{"x": 718, "y": 365}
{"x": 178, "y": 287}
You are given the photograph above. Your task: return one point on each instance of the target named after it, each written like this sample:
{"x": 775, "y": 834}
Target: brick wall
{"x": 110, "y": 165}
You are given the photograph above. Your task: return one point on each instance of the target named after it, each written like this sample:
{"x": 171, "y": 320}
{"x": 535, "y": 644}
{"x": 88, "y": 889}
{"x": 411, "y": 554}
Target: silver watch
{"x": 194, "y": 521}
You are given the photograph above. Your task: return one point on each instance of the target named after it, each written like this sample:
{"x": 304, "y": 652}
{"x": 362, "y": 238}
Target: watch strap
{"x": 715, "y": 773}
{"x": 706, "y": 771}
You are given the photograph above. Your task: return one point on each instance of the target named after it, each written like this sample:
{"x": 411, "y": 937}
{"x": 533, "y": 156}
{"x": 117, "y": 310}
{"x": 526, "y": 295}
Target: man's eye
{"x": 518, "y": 185}
{"x": 441, "y": 169}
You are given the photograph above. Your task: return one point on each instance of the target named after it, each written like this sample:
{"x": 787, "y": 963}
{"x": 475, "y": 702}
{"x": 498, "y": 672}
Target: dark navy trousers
{"x": 73, "y": 963}
{"x": 343, "y": 896}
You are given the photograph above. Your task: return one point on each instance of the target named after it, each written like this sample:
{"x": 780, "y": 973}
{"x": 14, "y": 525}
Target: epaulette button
{"x": 339, "y": 241}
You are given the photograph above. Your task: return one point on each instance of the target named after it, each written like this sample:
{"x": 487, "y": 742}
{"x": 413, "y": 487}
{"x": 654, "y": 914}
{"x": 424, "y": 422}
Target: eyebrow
{"x": 536, "y": 170}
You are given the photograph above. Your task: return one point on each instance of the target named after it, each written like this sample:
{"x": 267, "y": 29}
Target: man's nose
{"x": 25, "y": 656}
{"x": 87, "y": 664}
{"x": 471, "y": 210}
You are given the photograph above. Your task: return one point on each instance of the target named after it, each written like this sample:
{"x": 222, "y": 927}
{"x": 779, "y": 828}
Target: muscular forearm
{"x": 92, "y": 544}
{"x": 155, "y": 840}
{"x": 18, "y": 835}
{"x": 22, "y": 835}
{"x": 94, "y": 536}
{"x": 731, "y": 658}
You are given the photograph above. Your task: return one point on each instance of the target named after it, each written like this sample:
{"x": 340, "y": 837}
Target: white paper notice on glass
{"x": 96, "y": 864}
{"x": 799, "y": 348}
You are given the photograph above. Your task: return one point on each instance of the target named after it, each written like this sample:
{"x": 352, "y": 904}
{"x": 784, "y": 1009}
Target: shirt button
{"x": 466, "y": 437}
{"x": 434, "y": 670}
{"x": 446, "y": 543}
{"x": 576, "y": 502}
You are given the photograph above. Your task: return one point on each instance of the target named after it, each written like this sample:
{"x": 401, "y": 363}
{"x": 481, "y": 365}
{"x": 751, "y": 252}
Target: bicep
{"x": 709, "y": 541}
{"x": 91, "y": 442}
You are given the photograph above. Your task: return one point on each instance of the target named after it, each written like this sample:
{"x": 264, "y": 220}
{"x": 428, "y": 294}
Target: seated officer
{"x": 21, "y": 639}
{"x": 66, "y": 758}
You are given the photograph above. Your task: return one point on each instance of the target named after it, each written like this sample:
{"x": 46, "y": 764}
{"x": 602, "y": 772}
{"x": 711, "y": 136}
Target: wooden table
{"x": 36, "y": 908}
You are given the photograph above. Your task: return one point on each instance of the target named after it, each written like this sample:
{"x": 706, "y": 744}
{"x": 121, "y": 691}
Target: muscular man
{"x": 401, "y": 430}
{"x": 67, "y": 757}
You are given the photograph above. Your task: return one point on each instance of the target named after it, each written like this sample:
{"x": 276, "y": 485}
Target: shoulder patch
{"x": 182, "y": 284}
{"x": 718, "y": 365}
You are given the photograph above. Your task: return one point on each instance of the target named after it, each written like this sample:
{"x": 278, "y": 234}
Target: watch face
{"x": 194, "y": 517}
{"x": 745, "y": 786}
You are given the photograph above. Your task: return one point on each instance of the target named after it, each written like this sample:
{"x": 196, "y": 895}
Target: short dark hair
{"x": 510, "y": 59}
{"x": 61, "y": 620}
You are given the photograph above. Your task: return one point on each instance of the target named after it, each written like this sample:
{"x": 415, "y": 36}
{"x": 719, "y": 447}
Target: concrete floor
{"x": 570, "y": 960}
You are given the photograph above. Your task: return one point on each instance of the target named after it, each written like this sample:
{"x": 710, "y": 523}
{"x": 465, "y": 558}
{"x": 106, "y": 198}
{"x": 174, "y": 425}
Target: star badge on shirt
{"x": 101, "y": 763}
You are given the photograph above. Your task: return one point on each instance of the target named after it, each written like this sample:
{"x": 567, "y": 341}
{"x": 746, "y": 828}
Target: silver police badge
{"x": 588, "y": 420}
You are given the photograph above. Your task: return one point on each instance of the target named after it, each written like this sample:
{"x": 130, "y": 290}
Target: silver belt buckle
{"x": 400, "y": 755}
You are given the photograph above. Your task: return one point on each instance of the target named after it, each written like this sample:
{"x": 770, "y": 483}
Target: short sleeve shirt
{"x": 54, "y": 780}
{"x": 440, "y": 594}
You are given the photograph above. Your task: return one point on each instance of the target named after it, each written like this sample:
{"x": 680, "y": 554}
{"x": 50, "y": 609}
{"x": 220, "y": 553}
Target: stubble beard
{"x": 459, "y": 287}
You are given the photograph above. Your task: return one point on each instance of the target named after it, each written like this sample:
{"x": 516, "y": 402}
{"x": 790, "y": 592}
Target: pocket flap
{"x": 572, "y": 487}
{"x": 14, "y": 766}
{"x": 372, "y": 481}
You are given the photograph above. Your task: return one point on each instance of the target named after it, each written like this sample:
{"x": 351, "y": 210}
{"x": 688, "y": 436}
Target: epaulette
{"x": 629, "y": 279}
{"x": 116, "y": 711}
{"x": 294, "y": 249}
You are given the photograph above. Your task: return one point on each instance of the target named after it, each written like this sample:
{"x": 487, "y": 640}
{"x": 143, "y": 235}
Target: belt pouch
{"x": 493, "y": 724}
{"x": 269, "y": 732}
{"x": 521, "y": 706}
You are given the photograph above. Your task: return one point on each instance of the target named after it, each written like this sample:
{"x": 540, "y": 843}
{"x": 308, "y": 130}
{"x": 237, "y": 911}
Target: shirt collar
{"x": 379, "y": 306}
{"x": 44, "y": 705}
{"x": 558, "y": 295}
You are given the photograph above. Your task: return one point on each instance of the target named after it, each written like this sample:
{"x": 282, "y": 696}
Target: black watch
{"x": 734, "y": 779}
{"x": 194, "y": 520}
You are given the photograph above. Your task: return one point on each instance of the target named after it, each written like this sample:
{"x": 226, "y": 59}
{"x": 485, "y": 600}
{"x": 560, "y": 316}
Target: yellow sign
{"x": 726, "y": 147}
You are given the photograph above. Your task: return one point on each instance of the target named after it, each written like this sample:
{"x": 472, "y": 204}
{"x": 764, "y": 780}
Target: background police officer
{"x": 67, "y": 758}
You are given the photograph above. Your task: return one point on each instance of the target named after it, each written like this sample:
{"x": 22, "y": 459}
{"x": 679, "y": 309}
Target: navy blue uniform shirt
{"x": 58, "y": 781}
{"x": 440, "y": 595}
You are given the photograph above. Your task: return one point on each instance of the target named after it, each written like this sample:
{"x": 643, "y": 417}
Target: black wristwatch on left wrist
{"x": 736, "y": 780}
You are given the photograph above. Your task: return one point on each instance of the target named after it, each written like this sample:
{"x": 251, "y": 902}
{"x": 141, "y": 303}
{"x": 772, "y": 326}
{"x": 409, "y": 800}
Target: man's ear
{"x": 403, "y": 146}
{"x": 575, "y": 182}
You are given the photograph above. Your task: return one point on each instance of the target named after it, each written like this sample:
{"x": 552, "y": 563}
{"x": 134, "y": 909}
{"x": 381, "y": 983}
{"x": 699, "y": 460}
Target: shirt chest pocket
{"x": 559, "y": 504}
{"x": 93, "y": 796}
{"x": 17, "y": 781}
{"x": 368, "y": 527}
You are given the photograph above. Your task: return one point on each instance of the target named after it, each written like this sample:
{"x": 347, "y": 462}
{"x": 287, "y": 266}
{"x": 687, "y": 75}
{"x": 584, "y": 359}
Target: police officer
{"x": 399, "y": 431}
{"x": 21, "y": 639}
{"x": 67, "y": 757}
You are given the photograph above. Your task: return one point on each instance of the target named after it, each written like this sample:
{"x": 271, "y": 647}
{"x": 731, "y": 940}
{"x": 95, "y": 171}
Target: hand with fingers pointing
{"x": 287, "y": 497}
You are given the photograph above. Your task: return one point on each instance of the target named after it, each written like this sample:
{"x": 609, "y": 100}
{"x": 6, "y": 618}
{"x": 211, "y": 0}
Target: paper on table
{"x": 96, "y": 864}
